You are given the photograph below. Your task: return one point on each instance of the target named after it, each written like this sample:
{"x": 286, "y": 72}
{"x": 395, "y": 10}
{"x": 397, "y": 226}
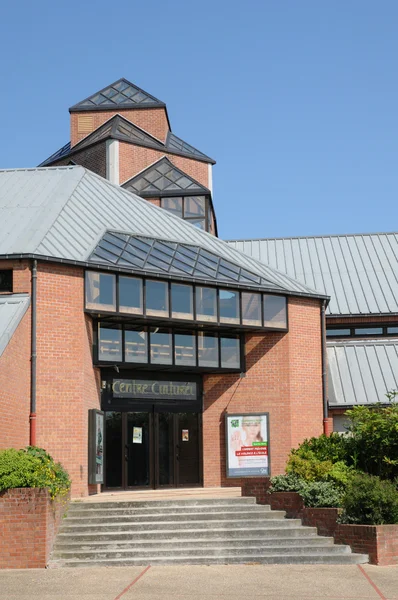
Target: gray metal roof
{"x": 63, "y": 212}
{"x": 359, "y": 272}
{"x": 12, "y": 309}
{"x": 362, "y": 372}
{"x": 163, "y": 177}
{"x": 122, "y": 94}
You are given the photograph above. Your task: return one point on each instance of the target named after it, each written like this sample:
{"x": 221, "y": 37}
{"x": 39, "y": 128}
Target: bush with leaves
{"x": 332, "y": 448}
{"x": 321, "y": 494}
{"x": 369, "y": 500}
{"x": 286, "y": 483}
{"x": 32, "y": 468}
{"x": 372, "y": 443}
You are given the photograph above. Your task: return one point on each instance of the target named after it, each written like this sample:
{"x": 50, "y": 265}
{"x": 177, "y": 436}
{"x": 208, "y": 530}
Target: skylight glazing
{"x": 64, "y": 151}
{"x": 118, "y": 94}
{"x": 149, "y": 254}
{"x": 175, "y": 143}
{"x": 163, "y": 176}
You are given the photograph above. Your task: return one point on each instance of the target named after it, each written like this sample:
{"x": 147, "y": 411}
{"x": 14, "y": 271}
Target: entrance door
{"x": 152, "y": 449}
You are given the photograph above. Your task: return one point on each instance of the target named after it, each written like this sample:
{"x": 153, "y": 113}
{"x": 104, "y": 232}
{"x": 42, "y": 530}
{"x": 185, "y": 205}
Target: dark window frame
{"x": 99, "y": 362}
{"x": 6, "y": 286}
{"x": 351, "y": 328}
{"x": 208, "y": 209}
{"x": 169, "y": 319}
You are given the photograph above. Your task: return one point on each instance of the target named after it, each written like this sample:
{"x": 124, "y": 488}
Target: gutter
{"x": 324, "y": 371}
{"x": 32, "y": 416}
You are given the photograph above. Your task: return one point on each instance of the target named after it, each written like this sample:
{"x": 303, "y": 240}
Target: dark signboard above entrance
{"x": 153, "y": 389}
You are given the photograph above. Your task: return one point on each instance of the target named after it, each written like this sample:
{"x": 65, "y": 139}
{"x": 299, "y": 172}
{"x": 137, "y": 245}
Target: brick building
{"x": 136, "y": 346}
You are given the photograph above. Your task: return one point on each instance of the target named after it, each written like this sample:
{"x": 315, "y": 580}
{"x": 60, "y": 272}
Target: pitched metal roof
{"x": 12, "y": 309}
{"x": 359, "y": 272}
{"x": 163, "y": 177}
{"x": 362, "y": 372}
{"x": 63, "y": 212}
{"x": 121, "y": 93}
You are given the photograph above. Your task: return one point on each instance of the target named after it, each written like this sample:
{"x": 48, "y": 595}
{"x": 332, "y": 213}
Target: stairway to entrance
{"x": 189, "y": 531}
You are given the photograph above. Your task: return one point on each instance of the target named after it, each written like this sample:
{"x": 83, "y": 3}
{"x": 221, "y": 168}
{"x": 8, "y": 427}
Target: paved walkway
{"x": 238, "y": 582}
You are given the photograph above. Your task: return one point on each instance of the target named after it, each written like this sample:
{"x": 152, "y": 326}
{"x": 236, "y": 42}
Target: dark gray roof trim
{"x": 176, "y": 144}
{"x": 164, "y": 179}
{"x": 119, "y": 128}
{"x": 160, "y": 256}
{"x": 121, "y": 93}
{"x": 362, "y": 372}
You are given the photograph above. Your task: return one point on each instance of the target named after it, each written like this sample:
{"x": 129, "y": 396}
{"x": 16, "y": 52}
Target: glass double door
{"x": 152, "y": 449}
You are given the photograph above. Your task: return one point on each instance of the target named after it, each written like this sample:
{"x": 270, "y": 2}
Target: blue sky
{"x": 297, "y": 100}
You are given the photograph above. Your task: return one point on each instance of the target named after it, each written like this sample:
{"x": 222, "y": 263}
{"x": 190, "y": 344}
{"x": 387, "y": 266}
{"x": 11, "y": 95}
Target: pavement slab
{"x": 216, "y": 582}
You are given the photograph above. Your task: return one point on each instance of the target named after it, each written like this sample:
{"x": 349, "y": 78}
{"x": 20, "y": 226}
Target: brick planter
{"x": 380, "y": 542}
{"x": 29, "y": 522}
{"x": 257, "y": 488}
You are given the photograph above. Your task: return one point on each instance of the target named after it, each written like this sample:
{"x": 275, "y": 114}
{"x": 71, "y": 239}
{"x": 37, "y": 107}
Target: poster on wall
{"x": 96, "y": 446}
{"x": 247, "y": 440}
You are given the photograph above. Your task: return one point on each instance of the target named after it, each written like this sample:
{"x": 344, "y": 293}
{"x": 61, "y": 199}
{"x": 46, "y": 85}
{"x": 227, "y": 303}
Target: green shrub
{"x": 372, "y": 445}
{"x": 312, "y": 469}
{"x": 32, "y": 468}
{"x": 286, "y": 483}
{"x": 321, "y": 494}
{"x": 368, "y": 500}
{"x": 331, "y": 448}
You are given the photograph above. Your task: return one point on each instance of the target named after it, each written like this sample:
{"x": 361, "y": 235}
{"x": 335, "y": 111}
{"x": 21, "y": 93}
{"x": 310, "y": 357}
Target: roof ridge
{"x": 310, "y": 237}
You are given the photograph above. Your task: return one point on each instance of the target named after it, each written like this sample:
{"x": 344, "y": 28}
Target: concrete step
{"x": 203, "y": 523}
{"x": 178, "y": 502}
{"x": 189, "y": 532}
{"x": 176, "y": 517}
{"x": 192, "y": 550}
{"x": 171, "y": 544}
{"x": 180, "y": 510}
{"x": 261, "y": 558}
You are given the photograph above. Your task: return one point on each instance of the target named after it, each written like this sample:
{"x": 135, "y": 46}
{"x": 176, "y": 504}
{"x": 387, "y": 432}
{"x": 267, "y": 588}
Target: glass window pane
{"x": 206, "y": 304}
{"x": 338, "y": 332}
{"x": 157, "y": 298}
{"x": 229, "y": 306}
{"x": 230, "y": 352}
{"x": 185, "y": 349}
{"x": 199, "y": 223}
{"x": 100, "y": 291}
{"x": 392, "y": 330}
{"x": 207, "y": 350}
{"x": 181, "y": 301}
{"x": 161, "y": 346}
{"x": 130, "y": 295}
{"x": 135, "y": 345}
{"x": 275, "y": 311}
{"x": 194, "y": 206}
{"x": 109, "y": 343}
{"x": 173, "y": 205}
{"x": 251, "y": 308}
{"x": 369, "y": 331}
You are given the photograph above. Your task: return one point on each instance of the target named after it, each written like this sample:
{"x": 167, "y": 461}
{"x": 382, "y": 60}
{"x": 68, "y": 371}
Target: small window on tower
{"x": 6, "y": 281}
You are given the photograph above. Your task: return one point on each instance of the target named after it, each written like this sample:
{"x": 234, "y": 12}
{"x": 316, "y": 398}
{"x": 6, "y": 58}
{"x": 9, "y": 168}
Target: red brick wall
{"x": 15, "y": 370}
{"x": 151, "y": 120}
{"x": 29, "y": 522}
{"x": 284, "y": 378}
{"x": 379, "y": 541}
{"x": 133, "y": 159}
{"x": 93, "y": 158}
{"x": 67, "y": 384}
